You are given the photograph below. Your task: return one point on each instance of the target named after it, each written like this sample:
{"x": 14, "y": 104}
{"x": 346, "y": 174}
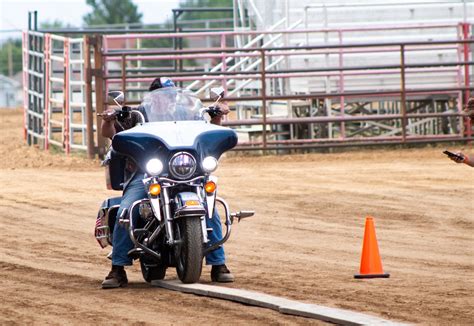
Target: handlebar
{"x": 122, "y": 114}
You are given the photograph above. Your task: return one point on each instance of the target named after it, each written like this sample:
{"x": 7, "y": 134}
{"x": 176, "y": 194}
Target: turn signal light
{"x": 154, "y": 189}
{"x": 210, "y": 187}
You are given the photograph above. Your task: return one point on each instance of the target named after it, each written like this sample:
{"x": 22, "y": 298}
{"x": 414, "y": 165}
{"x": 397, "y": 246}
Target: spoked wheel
{"x": 188, "y": 253}
{"x": 152, "y": 271}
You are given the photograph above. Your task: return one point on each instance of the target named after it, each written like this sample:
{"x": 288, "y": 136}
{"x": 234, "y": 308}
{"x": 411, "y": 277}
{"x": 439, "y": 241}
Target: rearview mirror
{"x": 116, "y": 96}
{"x": 216, "y": 92}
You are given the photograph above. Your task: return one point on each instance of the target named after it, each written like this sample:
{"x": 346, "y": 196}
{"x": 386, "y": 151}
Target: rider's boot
{"x": 116, "y": 278}
{"x": 220, "y": 273}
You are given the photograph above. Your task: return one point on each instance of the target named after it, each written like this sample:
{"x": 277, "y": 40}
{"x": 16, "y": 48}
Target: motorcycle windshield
{"x": 164, "y": 139}
{"x": 171, "y": 104}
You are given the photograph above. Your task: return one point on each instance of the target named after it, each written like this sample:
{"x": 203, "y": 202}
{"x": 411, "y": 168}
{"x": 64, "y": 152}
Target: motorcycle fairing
{"x": 163, "y": 139}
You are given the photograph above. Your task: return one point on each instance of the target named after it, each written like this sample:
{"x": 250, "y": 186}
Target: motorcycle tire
{"x": 152, "y": 271}
{"x": 188, "y": 253}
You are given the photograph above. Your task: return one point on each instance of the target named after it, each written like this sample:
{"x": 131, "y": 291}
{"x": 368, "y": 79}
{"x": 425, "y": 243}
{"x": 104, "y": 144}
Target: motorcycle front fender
{"x": 189, "y": 205}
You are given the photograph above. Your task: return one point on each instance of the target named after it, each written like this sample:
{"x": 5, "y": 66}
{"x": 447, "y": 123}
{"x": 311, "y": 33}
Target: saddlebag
{"x": 105, "y": 221}
{"x": 114, "y": 170}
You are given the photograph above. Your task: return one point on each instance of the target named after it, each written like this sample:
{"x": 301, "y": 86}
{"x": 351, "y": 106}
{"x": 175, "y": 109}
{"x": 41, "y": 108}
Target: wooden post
{"x": 88, "y": 90}
{"x": 99, "y": 91}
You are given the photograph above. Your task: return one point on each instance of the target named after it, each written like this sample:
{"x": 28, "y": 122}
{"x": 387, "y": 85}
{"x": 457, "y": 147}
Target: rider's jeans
{"x": 122, "y": 243}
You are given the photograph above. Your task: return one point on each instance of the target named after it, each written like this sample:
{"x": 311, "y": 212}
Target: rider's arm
{"x": 465, "y": 159}
{"x": 468, "y": 161}
{"x": 107, "y": 127}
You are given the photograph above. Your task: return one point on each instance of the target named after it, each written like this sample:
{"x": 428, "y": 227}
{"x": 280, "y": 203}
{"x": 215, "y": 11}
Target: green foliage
{"x": 54, "y": 24}
{"x": 15, "y": 46}
{"x": 206, "y": 15}
{"x": 112, "y": 12}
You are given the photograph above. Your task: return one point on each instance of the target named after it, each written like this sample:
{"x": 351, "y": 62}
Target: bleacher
{"x": 364, "y": 21}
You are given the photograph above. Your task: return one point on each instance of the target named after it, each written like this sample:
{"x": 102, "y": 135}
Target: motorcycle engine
{"x": 145, "y": 211}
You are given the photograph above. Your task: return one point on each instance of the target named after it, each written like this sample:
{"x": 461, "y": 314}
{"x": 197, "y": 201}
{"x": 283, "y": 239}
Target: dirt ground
{"x": 304, "y": 242}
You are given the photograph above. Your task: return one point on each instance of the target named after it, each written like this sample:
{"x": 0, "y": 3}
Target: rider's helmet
{"x": 161, "y": 82}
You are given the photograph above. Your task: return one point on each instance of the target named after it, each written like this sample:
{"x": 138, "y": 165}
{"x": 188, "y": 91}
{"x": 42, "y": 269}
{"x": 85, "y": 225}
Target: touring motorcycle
{"x": 178, "y": 148}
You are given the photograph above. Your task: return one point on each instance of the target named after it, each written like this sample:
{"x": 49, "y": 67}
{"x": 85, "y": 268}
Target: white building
{"x": 10, "y": 93}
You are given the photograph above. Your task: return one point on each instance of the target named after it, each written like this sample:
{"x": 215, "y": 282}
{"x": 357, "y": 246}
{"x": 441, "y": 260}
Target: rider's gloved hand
{"x": 109, "y": 115}
{"x": 463, "y": 159}
{"x": 124, "y": 113}
{"x": 219, "y": 110}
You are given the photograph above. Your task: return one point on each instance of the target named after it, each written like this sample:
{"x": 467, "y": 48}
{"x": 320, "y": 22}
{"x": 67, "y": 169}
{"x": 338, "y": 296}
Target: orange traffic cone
{"x": 370, "y": 263}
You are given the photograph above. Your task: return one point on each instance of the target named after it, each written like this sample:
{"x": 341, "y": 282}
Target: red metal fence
{"x": 414, "y": 106}
{"x": 271, "y": 126}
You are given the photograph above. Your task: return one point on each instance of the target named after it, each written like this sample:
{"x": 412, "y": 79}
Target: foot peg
{"x": 240, "y": 215}
{"x": 123, "y": 220}
{"x": 135, "y": 253}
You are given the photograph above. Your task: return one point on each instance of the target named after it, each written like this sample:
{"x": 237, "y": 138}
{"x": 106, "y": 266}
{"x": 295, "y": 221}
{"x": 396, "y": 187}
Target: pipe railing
{"x": 99, "y": 76}
{"x": 264, "y": 74}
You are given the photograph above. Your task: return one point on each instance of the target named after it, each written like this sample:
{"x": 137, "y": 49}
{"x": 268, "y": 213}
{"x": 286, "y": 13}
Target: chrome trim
{"x": 155, "y": 206}
{"x": 190, "y": 211}
{"x": 167, "y": 217}
{"x": 108, "y": 210}
{"x": 211, "y": 198}
{"x": 228, "y": 224}
{"x": 188, "y": 174}
{"x": 142, "y": 117}
{"x": 130, "y": 220}
{"x": 103, "y": 228}
{"x": 205, "y": 239}
{"x": 164, "y": 179}
{"x": 132, "y": 236}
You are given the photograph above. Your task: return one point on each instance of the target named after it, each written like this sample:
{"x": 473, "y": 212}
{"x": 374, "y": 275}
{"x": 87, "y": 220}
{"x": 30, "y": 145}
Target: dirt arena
{"x": 304, "y": 242}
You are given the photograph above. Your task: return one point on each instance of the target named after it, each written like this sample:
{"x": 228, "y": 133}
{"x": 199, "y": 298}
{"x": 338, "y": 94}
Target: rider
{"x": 463, "y": 158}
{"x": 134, "y": 190}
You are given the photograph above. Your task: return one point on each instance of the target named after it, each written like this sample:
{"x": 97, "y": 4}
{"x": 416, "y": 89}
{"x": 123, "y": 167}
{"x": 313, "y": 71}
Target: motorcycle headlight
{"x": 209, "y": 164}
{"x": 182, "y": 165}
{"x": 154, "y": 166}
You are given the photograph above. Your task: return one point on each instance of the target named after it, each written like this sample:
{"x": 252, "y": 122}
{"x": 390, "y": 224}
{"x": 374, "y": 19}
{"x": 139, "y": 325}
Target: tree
{"x": 55, "y": 24}
{"x": 11, "y": 47}
{"x": 112, "y": 12}
{"x": 206, "y": 4}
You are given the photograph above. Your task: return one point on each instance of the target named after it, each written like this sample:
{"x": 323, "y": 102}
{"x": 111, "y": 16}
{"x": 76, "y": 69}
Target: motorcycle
{"x": 178, "y": 150}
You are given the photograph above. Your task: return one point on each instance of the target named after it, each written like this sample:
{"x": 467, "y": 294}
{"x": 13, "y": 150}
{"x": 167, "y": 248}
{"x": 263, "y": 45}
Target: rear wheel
{"x": 188, "y": 253}
{"x": 152, "y": 271}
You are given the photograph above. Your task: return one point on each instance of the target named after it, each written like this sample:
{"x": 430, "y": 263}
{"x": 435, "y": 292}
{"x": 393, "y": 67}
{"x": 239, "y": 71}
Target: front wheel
{"x": 152, "y": 271}
{"x": 188, "y": 253}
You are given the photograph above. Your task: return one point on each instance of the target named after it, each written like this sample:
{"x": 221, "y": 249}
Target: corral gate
{"x": 66, "y": 80}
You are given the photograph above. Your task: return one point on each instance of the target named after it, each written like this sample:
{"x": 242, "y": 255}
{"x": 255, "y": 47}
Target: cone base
{"x": 385, "y": 275}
